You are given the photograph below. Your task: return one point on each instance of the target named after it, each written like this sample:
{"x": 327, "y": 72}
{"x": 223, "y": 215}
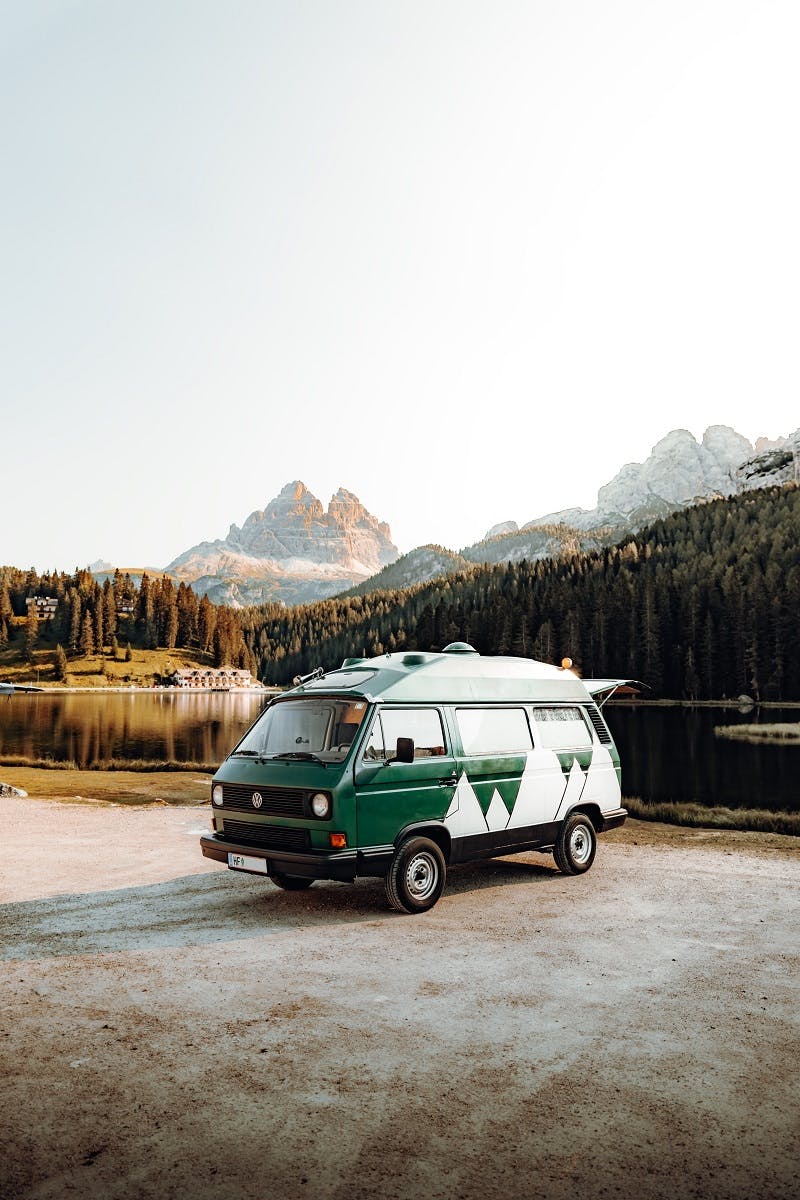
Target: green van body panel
{"x": 474, "y": 805}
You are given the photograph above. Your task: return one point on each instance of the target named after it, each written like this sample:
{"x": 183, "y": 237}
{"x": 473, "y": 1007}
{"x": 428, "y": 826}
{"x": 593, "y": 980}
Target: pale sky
{"x": 464, "y": 259}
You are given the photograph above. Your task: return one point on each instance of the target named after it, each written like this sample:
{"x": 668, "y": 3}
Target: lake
{"x": 85, "y": 727}
{"x": 667, "y": 753}
{"x": 671, "y": 754}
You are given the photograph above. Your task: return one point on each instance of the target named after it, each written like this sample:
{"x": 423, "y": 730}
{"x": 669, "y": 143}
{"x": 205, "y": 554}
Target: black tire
{"x": 415, "y": 880}
{"x": 576, "y": 844}
{"x": 290, "y": 883}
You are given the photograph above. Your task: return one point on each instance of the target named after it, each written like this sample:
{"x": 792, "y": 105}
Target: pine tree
{"x": 86, "y": 643}
{"x": 31, "y": 632}
{"x": 74, "y": 621}
{"x": 60, "y": 664}
{"x": 99, "y": 638}
{"x": 171, "y": 638}
{"x": 5, "y": 611}
{"x": 109, "y": 611}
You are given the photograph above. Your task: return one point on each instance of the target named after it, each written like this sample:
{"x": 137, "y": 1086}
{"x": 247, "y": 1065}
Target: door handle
{"x": 450, "y": 781}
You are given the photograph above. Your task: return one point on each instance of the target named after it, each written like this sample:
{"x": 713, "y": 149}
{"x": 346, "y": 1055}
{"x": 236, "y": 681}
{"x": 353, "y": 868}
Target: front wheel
{"x": 415, "y": 880}
{"x": 576, "y": 844}
{"x": 290, "y": 883}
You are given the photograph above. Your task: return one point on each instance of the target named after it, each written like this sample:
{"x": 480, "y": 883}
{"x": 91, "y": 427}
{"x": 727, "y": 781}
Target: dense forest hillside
{"x": 94, "y": 619}
{"x": 702, "y": 604}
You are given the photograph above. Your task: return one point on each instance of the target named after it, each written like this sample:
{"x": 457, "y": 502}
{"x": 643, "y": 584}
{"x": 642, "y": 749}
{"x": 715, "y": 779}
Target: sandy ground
{"x": 170, "y": 1029}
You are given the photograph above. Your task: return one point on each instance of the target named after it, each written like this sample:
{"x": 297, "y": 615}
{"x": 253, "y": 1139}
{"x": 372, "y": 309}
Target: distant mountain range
{"x": 295, "y": 550}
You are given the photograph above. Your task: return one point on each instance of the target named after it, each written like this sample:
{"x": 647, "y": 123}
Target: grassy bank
{"x": 108, "y": 764}
{"x": 146, "y": 782}
{"x": 117, "y": 787}
{"x": 757, "y": 820}
{"x": 786, "y": 733}
{"x": 96, "y": 670}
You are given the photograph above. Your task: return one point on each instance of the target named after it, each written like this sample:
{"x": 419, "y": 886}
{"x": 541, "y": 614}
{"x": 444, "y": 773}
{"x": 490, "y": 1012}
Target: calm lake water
{"x": 667, "y": 753}
{"x": 85, "y": 728}
{"x": 672, "y": 754}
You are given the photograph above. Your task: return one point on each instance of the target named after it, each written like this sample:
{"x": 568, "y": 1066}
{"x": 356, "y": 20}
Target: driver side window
{"x": 422, "y": 725}
{"x": 374, "y": 749}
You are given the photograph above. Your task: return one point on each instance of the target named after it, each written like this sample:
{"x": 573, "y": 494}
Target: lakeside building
{"x": 214, "y": 678}
{"x": 45, "y": 606}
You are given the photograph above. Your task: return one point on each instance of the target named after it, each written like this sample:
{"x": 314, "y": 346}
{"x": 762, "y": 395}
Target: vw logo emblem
{"x": 258, "y": 800}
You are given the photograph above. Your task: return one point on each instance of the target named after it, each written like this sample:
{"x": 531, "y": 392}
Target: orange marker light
{"x": 339, "y": 841}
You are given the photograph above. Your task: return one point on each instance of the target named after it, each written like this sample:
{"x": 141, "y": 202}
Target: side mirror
{"x": 405, "y": 750}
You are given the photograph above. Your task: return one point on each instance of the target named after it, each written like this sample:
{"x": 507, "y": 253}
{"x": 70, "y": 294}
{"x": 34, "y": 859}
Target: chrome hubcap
{"x": 580, "y": 845}
{"x": 422, "y": 876}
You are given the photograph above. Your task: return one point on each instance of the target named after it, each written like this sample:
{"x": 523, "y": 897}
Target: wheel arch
{"x": 436, "y": 832}
{"x": 592, "y": 811}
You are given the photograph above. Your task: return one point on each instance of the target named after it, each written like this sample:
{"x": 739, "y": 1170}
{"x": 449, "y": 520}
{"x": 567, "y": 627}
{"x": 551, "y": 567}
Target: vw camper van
{"x": 403, "y": 765}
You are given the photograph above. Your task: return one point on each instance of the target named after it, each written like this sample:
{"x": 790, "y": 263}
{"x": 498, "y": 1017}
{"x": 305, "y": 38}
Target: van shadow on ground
{"x": 198, "y": 910}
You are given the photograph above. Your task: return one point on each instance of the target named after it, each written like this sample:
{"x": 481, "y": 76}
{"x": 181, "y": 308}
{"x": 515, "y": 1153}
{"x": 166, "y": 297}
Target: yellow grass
{"x": 115, "y": 787}
{"x": 783, "y": 732}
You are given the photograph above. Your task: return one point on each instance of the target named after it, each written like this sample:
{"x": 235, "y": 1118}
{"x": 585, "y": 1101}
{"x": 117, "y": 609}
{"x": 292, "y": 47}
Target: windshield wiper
{"x": 299, "y": 756}
{"x": 245, "y": 753}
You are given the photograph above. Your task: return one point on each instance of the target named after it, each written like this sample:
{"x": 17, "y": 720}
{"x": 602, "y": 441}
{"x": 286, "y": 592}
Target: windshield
{"x": 305, "y": 729}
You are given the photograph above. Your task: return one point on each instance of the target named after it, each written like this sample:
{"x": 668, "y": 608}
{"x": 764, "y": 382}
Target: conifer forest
{"x": 703, "y": 604}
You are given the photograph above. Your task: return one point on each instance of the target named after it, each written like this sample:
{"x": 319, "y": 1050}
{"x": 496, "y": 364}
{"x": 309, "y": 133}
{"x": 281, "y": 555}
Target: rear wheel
{"x": 415, "y": 880}
{"x": 290, "y": 883}
{"x": 576, "y": 845}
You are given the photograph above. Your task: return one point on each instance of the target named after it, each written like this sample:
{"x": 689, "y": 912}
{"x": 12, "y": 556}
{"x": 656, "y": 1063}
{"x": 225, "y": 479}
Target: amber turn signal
{"x": 339, "y": 841}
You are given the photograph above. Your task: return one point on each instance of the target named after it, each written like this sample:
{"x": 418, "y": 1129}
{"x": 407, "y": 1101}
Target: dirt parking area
{"x": 171, "y": 1029}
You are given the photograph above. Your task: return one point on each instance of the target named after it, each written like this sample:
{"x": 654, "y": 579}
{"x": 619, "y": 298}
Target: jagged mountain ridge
{"x": 678, "y": 471}
{"x": 296, "y": 551}
{"x": 293, "y": 550}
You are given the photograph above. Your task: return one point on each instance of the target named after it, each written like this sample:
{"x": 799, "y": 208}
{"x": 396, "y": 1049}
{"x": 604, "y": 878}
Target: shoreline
{"x": 275, "y": 690}
{"x": 141, "y": 788}
{"x": 132, "y": 688}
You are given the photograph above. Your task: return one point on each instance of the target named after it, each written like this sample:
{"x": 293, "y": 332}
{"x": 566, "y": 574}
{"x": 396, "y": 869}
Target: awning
{"x": 603, "y": 689}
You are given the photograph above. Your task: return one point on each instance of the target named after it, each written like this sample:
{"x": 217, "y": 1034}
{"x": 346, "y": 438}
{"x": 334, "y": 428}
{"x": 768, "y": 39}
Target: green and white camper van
{"x": 400, "y": 766}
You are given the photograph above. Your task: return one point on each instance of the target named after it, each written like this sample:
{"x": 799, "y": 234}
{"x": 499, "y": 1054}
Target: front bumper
{"x": 340, "y": 864}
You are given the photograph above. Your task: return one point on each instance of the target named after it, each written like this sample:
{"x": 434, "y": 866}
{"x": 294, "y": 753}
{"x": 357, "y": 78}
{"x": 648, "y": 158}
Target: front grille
{"x": 277, "y": 802}
{"x": 270, "y": 837}
{"x": 600, "y": 726}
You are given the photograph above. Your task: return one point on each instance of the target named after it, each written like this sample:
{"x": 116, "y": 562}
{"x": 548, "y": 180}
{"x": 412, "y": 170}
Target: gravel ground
{"x": 170, "y": 1029}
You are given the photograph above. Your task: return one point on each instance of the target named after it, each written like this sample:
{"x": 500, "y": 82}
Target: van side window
{"x": 374, "y": 747}
{"x": 493, "y": 730}
{"x": 424, "y": 725}
{"x": 560, "y": 729}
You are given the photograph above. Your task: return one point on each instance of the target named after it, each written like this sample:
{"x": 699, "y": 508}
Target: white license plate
{"x": 246, "y": 862}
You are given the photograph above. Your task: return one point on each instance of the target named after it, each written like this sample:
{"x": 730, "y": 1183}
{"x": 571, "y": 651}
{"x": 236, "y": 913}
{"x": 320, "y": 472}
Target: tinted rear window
{"x": 560, "y": 729}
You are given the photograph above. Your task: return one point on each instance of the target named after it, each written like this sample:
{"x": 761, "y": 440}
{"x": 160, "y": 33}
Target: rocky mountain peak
{"x": 679, "y": 470}
{"x": 294, "y": 538}
{"x": 293, "y": 501}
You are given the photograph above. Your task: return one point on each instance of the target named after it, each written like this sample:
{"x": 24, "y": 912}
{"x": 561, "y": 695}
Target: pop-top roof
{"x": 451, "y": 676}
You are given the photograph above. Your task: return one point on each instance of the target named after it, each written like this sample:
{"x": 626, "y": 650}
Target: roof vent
{"x": 459, "y": 648}
{"x": 352, "y": 662}
{"x": 413, "y": 660}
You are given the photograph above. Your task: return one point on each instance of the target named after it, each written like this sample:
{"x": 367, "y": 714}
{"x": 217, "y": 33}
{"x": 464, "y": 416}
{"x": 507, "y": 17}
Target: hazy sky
{"x": 464, "y": 259}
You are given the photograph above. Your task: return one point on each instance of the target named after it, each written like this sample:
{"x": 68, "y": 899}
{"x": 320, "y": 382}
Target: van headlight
{"x": 216, "y": 793}
{"x": 321, "y": 805}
